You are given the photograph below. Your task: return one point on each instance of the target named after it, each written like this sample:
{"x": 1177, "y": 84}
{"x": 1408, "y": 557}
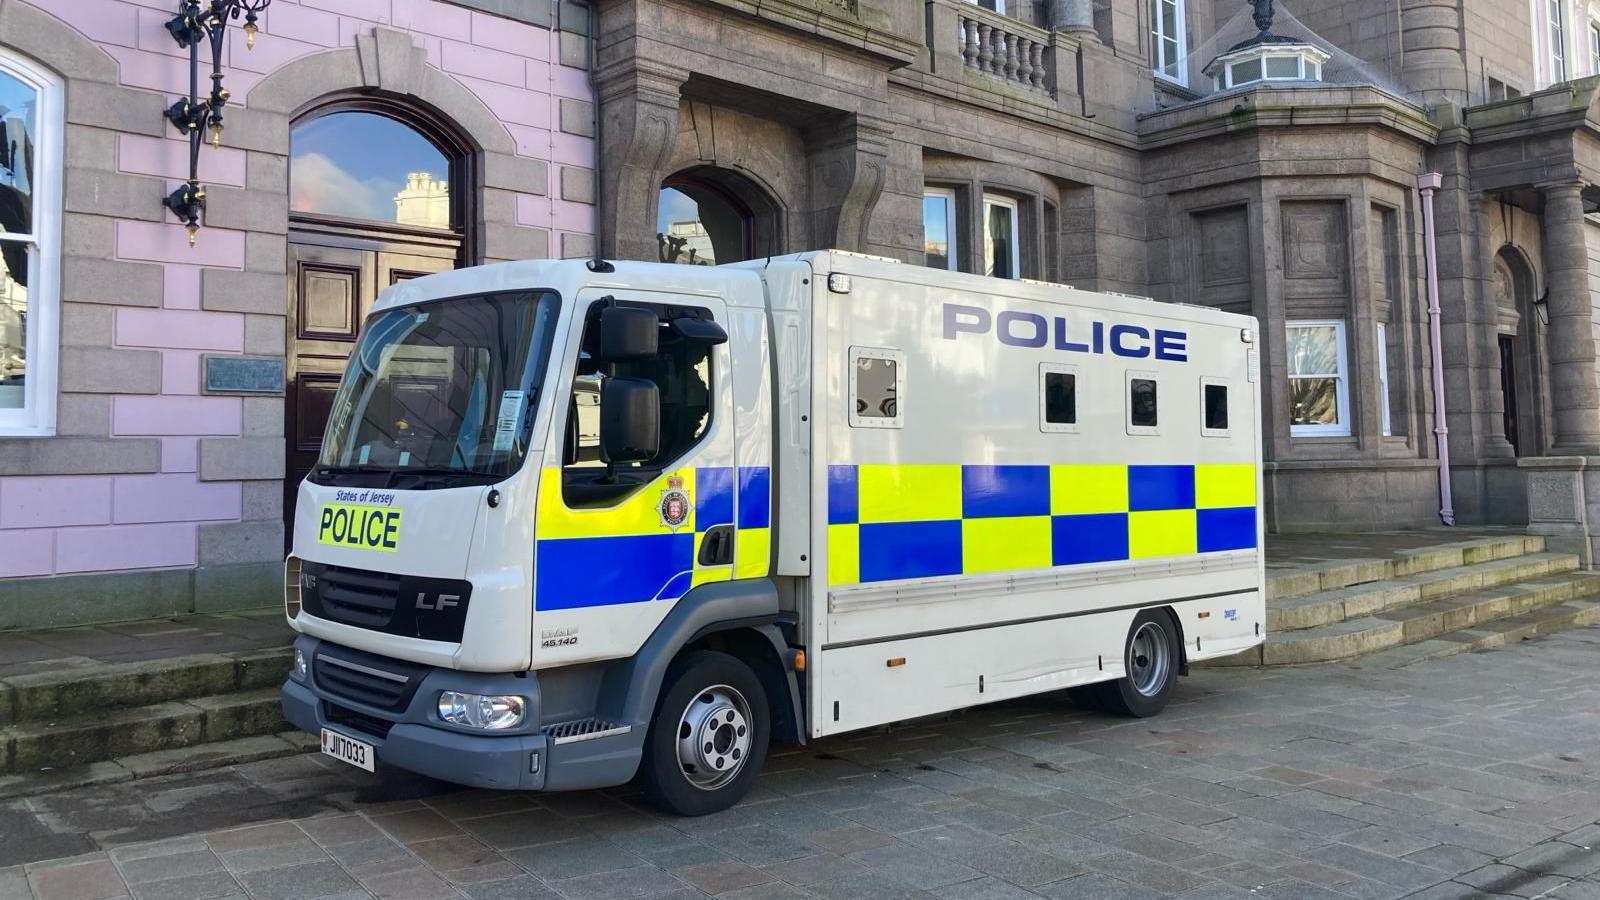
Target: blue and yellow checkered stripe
{"x": 888, "y": 522}
{"x": 623, "y": 554}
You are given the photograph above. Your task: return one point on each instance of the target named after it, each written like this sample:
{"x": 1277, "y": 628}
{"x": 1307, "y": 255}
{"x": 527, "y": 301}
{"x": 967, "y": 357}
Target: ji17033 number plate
{"x": 356, "y": 753}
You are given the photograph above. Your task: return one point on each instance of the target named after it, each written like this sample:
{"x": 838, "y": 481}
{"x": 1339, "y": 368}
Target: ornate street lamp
{"x": 196, "y": 21}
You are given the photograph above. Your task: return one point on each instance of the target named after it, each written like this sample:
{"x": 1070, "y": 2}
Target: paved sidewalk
{"x": 1473, "y": 776}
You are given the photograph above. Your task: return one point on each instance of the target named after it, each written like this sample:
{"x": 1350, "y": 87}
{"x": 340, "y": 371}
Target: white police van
{"x": 577, "y": 523}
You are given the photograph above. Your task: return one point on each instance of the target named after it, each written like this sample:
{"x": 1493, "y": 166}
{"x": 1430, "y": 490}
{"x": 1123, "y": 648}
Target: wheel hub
{"x": 714, "y": 737}
{"x": 1150, "y": 659}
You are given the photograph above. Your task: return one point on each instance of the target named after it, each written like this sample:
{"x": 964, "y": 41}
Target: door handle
{"x": 716, "y": 547}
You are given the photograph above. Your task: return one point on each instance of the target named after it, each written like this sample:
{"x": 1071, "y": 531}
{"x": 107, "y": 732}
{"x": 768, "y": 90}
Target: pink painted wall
{"x": 61, "y": 525}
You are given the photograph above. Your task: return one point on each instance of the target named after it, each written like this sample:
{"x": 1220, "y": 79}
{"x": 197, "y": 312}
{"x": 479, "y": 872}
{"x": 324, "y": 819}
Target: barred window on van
{"x": 877, "y": 383}
{"x": 1058, "y": 398}
{"x": 1142, "y": 412}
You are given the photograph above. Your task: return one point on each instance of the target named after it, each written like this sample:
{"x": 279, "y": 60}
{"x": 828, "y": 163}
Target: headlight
{"x": 491, "y": 713}
{"x": 300, "y": 664}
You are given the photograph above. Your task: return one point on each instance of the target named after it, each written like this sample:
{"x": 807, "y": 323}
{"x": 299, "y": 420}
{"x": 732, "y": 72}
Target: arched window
{"x": 30, "y": 244}
{"x": 701, "y": 223}
{"x": 358, "y": 163}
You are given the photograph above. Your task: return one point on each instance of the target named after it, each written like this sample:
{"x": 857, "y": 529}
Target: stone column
{"x": 1074, "y": 16}
{"x": 1574, "y": 383}
{"x": 639, "y": 125}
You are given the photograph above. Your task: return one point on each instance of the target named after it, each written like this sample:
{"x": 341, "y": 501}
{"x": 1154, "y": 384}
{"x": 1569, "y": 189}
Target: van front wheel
{"x": 709, "y": 736}
{"x": 1151, "y": 658}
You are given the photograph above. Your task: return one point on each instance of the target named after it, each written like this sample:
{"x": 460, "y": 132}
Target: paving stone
{"x": 417, "y": 885}
{"x": 92, "y": 880}
{"x": 189, "y": 887}
{"x": 570, "y": 859}
{"x": 302, "y": 882}
{"x": 416, "y": 825}
{"x": 984, "y": 889}
{"x": 813, "y": 869}
{"x": 1093, "y": 886}
{"x": 866, "y": 884}
{"x": 1449, "y": 858}
{"x": 291, "y": 853}
{"x": 521, "y": 887}
{"x": 718, "y": 878}
{"x": 1556, "y": 858}
{"x": 622, "y": 884}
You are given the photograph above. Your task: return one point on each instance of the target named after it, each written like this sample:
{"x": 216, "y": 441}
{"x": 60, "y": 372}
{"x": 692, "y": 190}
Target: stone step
{"x": 101, "y": 687}
{"x": 158, "y": 762}
{"x": 1300, "y": 580}
{"x": 1417, "y": 622}
{"x": 1357, "y": 601}
{"x": 1488, "y": 636}
{"x": 41, "y": 744}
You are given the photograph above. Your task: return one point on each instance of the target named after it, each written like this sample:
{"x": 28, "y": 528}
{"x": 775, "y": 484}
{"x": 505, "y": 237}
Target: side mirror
{"x": 628, "y": 334}
{"x": 703, "y": 331}
{"x": 630, "y": 420}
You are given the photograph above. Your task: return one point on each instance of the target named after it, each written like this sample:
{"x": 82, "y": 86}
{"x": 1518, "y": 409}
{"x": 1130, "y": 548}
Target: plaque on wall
{"x": 243, "y": 375}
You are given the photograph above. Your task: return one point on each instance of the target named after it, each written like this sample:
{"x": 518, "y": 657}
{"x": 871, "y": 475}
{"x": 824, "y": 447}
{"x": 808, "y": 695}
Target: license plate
{"x": 356, "y": 753}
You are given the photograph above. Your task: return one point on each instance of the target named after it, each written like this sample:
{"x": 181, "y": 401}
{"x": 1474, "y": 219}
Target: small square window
{"x": 877, "y": 387}
{"x": 1142, "y": 415}
{"x": 1283, "y": 67}
{"x": 1058, "y": 398}
{"x": 1214, "y": 399}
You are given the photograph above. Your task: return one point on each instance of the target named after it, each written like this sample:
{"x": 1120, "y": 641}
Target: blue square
{"x": 894, "y": 550}
{"x": 755, "y": 497}
{"x": 1225, "y": 529}
{"x": 842, "y": 495}
{"x": 1160, "y": 487}
{"x": 1100, "y": 537}
{"x": 713, "y": 500}
{"x": 990, "y": 491}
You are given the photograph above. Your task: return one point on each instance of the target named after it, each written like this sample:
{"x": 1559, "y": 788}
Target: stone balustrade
{"x": 1004, "y": 48}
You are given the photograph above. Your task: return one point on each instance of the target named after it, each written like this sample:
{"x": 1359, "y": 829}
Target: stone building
{"x": 1105, "y": 144}
{"x": 158, "y": 402}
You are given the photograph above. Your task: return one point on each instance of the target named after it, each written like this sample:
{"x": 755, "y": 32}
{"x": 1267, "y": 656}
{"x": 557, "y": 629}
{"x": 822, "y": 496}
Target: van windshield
{"x": 440, "y": 394}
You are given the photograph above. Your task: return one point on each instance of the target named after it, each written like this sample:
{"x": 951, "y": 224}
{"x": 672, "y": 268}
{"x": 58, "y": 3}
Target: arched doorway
{"x": 1524, "y": 366}
{"x": 376, "y": 196}
{"x": 708, "y": 216}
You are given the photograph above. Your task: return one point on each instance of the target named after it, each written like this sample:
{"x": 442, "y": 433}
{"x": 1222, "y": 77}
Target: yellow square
{"x": 639, "y": 513}
{"x": 844, "y": 554}
{"x": 1167, "y": 532}
{"x": 908, "y": 493}
{"x": 1077, "y": 490}
{"x": 751, "y": 549}
{"x": 1006, "y": 544}
{"x": 1224, "y": 487}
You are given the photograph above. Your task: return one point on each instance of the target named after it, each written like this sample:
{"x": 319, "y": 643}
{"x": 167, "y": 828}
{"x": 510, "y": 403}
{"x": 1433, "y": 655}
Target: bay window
{"x": 30, "y": 236}
{"x": 1319, "y": 382}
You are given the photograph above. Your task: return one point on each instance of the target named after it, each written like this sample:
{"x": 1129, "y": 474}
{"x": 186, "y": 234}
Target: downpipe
{"x": 1428, "y": 184}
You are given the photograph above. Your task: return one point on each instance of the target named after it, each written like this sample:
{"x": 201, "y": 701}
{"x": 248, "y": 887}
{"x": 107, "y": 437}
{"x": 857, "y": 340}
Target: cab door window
{"x": 681, "y": 371}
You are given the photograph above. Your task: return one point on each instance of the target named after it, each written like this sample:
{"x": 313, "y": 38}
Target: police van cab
{"x": 576, "y": 523}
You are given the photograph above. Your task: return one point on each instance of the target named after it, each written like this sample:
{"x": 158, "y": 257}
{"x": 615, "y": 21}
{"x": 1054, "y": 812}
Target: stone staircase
{"x": 1422, "y": 603}
{"x": 75, "y": 720}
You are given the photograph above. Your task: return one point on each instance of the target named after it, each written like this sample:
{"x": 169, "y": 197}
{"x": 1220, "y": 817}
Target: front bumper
{"x": 502, "y": 762}
{"x": 407, "y": 733}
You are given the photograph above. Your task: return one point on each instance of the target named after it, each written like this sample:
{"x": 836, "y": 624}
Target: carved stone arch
{"x": 765, "y": 226}
{"x": 55, "y": 44}
{"x": 385, "y": 62}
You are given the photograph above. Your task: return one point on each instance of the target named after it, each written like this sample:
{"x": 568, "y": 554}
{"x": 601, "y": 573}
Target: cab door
{"x": 617, "y": 544}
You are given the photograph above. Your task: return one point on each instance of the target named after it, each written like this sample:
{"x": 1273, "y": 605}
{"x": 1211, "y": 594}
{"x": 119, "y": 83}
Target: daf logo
{"x": 443, "y": 602}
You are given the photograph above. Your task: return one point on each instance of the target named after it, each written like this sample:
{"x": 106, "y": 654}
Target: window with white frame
{"x": 939, "y": 228}
{"x": 1319, "y": 381}
{"x": 1383, "y": 378}
{"x": 1594, "y": 48}
{"x": 30, "y": 242}
{"x": 1167, "y": 38}
{"x": 1002, "y": 253}
{"x": 1558, "y": 41}
{"x": 998, "y": 6}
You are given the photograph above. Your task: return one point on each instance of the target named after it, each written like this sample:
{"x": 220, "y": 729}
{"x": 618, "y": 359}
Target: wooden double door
{"x": 334, "y": 277}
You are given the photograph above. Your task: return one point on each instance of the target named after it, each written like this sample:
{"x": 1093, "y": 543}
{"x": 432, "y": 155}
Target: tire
{"x": 715, "y": 699}
{"x": 1151, "y": 656}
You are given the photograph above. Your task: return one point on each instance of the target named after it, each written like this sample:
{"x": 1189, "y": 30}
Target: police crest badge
{"x": 675, "y": 506}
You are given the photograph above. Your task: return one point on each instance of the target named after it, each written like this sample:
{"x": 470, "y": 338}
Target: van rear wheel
{"x": 709, "y": 736}
{"x": 1151, "y": 658}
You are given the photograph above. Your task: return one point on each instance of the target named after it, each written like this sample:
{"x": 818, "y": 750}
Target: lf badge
{"x": 675, "y": 506}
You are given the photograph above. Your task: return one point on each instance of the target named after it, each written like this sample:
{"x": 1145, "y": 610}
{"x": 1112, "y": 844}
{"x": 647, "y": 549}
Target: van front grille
{"x": 372, "y": 726}
{"x": 354, "y": 597}
{"x": 365, "y": 678}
